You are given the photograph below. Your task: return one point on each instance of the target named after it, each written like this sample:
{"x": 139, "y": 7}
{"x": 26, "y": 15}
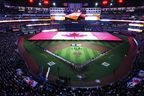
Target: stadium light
{"x": 54, "y": 4}
{"x": 58, "y": 18}
{"x": 137, "y": 25}
{"x": 111, "y": 4}
{"x": 120, "y": 1}
{"x": 31, "y": 1}
{"x": 91, "y": 18}
{"x": 45, "y": 2}
{"x": 41, "y": 24}
{"x": 135, "y": 30}
{"x": 40, "y": 4}
{"x": 50, "y": 30}
{"x": 96, "y": 4}
{"x": 105, "y": 2}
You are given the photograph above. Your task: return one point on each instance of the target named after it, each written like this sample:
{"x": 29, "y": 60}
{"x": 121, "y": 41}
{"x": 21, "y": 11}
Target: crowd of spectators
{"x": 12, "y": 84}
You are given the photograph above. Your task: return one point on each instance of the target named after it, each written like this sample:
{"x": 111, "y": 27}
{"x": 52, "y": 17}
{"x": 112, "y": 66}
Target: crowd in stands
{"x": 13, "y": 84}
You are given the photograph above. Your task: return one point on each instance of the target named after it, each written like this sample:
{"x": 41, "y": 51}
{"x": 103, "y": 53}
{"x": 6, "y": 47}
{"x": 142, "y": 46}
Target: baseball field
{"x": 85, "y": 60}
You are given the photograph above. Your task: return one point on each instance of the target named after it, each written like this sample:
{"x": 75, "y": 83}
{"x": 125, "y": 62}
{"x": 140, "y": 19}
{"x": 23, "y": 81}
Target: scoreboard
{"x": 92, "y": 14}
{"x": 61, "y": 13}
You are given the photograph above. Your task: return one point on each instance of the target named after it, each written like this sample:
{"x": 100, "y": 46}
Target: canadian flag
{"x": 74, "y": 36}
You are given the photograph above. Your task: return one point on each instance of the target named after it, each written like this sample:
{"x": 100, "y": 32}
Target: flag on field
{"x": 134, "y": 81}
{"x": 30, "y": 82}
{"x": 50, "y": 35}
{"x": 74, "y": 35}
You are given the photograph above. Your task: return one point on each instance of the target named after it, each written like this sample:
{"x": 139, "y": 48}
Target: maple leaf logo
{"x": 74, "y": 35}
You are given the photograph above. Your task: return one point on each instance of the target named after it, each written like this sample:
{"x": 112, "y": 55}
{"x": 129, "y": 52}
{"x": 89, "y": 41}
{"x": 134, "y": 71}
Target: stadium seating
{"x": 13, "y": 84}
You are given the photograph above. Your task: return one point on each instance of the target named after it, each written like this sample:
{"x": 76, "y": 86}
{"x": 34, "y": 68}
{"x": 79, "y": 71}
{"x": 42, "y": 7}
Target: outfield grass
{"x": 93, "y": 71}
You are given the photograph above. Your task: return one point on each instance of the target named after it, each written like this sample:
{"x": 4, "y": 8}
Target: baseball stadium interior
{"x": 71, "y": 47}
